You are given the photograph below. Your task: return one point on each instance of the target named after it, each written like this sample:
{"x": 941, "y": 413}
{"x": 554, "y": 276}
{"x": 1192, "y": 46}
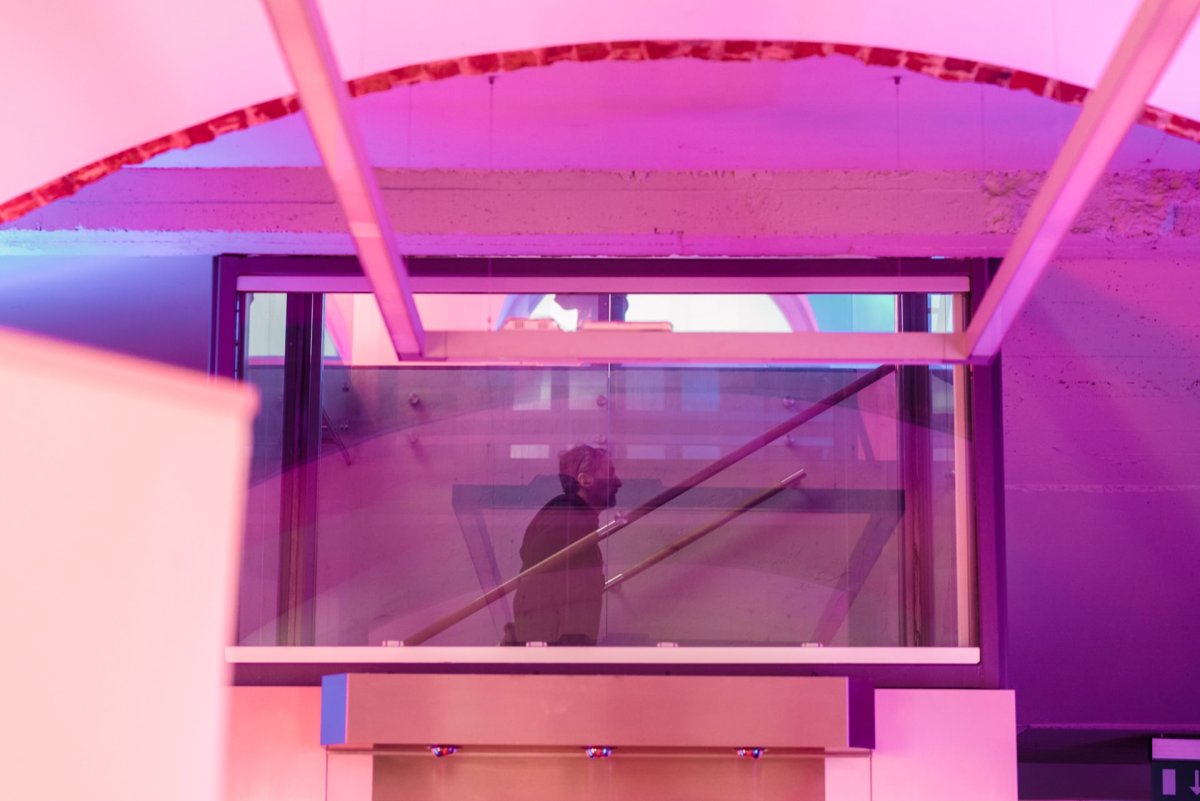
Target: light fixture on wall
{"x": 598, "y": 751}
{"x": 442, "y": 750}
{"x": 751, "y": 753}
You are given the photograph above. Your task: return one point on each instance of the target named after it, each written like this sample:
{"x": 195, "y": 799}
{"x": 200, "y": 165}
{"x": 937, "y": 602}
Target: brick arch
{"x": 942, "y": 67}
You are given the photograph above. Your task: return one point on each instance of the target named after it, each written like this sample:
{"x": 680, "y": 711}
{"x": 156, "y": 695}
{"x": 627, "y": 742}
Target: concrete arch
{"x": 941, "y": 67}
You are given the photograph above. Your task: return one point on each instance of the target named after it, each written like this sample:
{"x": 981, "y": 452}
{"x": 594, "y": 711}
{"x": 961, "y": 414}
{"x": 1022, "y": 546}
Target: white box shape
{"x": 122, "y": 486}
{"x": 944, "y": 745}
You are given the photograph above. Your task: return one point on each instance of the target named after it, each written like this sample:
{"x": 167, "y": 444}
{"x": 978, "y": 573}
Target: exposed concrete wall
{"x": 1102, "y": 451}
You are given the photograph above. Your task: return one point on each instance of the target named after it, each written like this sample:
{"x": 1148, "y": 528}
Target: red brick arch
{"x": 942, "y": 67}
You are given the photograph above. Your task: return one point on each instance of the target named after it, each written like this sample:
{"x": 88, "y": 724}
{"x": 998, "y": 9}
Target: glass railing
{"x": 718, "y": 506}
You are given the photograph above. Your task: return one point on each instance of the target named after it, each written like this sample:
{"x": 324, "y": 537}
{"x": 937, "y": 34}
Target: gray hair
{"x": 580, "y": 459}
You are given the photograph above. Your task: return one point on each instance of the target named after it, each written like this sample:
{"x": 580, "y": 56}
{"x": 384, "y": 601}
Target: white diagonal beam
{"x": 305, "y": 45}
{"x": 1150, "y": 41}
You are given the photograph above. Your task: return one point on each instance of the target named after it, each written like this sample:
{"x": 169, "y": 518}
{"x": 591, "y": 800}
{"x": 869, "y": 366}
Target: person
{"x": 561, "y": 605}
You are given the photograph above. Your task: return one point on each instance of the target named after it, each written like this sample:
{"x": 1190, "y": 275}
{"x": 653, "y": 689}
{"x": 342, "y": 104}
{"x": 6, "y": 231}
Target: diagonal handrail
{"x": 708, "y": 528}
{"x": 664, "y": 497}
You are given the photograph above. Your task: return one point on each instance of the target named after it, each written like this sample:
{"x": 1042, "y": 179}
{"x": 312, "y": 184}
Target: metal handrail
{"x": 664, "y": 497}
{"x": 708, "y": 528}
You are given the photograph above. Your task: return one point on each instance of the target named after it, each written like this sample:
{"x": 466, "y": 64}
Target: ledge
{"x": 693, "y": 712}
{"x": 885, "y": 667}
{"x": 496, "y": 655}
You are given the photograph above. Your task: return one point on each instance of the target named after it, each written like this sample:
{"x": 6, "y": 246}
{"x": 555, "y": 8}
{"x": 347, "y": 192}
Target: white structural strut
{"x": 326, "y": 101}
{"x": 1141, "y": 57}
{"x": 599, "y": 347}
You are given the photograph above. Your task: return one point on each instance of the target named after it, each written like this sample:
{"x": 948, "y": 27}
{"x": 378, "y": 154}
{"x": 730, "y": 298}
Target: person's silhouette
{"x": 561, "y": 605}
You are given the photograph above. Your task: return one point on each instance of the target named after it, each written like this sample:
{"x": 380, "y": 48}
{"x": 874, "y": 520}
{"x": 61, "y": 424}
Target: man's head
{"x": 588, "y": 472}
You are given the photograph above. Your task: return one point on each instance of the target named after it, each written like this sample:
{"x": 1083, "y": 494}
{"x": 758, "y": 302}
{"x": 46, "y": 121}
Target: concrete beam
{"x": 470, "y": 212}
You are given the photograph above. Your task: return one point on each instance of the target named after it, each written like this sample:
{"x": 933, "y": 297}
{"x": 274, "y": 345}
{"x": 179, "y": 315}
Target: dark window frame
{"x": 228, "y": 334}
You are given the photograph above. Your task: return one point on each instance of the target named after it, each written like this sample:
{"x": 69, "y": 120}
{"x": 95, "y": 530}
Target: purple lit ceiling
{"x": 813, "y": 114}
{"x": 114, "y": 88}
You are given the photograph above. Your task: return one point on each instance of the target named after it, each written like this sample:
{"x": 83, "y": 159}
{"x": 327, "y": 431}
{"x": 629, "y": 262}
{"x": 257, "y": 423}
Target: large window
{"x": 749, "y": 507}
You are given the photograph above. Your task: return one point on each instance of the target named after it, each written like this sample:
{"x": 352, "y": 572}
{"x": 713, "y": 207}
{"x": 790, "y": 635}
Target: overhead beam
{"x": 173, "y": 211}
{"x": 1145, "y": 50}
{"x": 305, "y": 44}
{"x": 657, "y": 347}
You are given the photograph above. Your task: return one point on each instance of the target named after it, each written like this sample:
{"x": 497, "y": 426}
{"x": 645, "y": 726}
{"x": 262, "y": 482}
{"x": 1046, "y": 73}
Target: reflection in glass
{"x": 355, "y": 330}
{"x": 429, "y": 480}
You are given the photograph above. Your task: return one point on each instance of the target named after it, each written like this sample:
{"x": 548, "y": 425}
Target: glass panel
{"x": 267, "y": 321}
{"x": 356, "y": 332}
{"x": 258, "y": 607}
{"x": 435, "y": 484}
{"x": 942, "y": 313}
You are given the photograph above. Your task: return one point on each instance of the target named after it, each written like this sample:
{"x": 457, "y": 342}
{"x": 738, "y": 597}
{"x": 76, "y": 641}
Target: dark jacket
{"x": 560, "y": 522}
{"x": 562, "y": 604}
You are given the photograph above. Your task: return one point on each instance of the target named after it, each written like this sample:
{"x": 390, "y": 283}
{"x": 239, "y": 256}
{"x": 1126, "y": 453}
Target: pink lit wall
{"x": 939, "y": 745}
{"x": 122, "y": 486}
{"x": 273, "y": 744}
{"x": 274, "y": 752}
{"x": 102, "y": 83}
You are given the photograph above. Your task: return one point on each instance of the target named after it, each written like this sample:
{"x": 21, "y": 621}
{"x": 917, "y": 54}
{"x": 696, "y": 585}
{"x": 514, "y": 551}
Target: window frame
{"x": 235, "y": 275}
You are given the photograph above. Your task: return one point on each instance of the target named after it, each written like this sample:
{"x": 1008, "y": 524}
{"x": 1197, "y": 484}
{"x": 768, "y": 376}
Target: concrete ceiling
{"x": 813, "y": 114}
{"x": 819, "y": 156}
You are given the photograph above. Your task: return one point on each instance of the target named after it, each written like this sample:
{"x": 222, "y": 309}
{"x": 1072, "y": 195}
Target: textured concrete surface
{"x": 1102, "y": 491}
{"x": 825, "y": 212}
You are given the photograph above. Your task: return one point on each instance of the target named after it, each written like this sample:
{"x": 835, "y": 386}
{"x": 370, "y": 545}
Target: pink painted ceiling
{"x": 817, "y": 113}
{"x": 81, "y": 85}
